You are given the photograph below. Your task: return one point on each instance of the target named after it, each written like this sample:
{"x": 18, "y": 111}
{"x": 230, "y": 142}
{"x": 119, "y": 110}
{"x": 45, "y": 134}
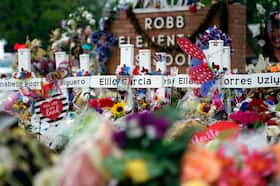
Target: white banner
{"x": 15, "y": 84}
{"x": 147, "y": 82}
{"x": 104, "y": 82}
{"x": 76, "y": 82}
{"x": 183, "y": 81}
{"x": 260, "y": 80}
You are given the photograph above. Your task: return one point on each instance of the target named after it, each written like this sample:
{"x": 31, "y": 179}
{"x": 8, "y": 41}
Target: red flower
{"x": 225, "y": 161}
{"x": 271, "y": 122}
{"x": 93, "y": 103}
{"x": 257, "y": 105}
{"x": 100, "y": 103}
{"x": 106, "y": 102}
{"x": 135, "y": 71}
{"x": 192, "y": 8}
{"x": 261, "y": 164}
{"x": 245, "y": 118}
{"x": 232, "y": 176}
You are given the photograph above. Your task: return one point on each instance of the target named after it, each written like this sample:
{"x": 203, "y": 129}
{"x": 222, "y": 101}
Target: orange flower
{"x": 276, "y": 150}
{"x": 200, "y": 164}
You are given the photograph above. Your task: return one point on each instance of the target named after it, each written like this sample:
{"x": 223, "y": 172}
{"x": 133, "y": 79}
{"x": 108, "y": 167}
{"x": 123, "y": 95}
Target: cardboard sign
{"x": 52, "y": 109}
{"x": 214, "y": 130}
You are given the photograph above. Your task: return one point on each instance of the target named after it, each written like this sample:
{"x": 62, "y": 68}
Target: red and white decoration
{"x": 52, "y": 109}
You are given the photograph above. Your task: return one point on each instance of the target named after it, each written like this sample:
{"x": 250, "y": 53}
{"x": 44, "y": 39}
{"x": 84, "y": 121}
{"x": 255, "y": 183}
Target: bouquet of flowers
{"x": 146, "y": 156}
{"x": 230, "y": 164}
{"x": 21, "y": 157}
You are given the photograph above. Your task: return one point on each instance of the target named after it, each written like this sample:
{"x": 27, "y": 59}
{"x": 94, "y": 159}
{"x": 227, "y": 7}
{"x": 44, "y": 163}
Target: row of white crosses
{"x": 145, "y": 62}
{"x": 24, "y": 60}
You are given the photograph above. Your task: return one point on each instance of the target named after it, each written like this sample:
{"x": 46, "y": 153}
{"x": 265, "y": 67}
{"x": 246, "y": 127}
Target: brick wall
{"x": 237, "y": 31}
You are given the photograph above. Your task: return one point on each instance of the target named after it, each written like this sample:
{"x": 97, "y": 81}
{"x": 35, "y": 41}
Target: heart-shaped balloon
{"x": 51, "y": 109}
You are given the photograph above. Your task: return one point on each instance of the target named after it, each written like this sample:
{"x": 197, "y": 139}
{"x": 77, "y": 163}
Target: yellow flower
{"x": 204, "y": 108}
{"x": 137, "y": 170}
{"x": 195, "y": 183}
{"x": 118, "y": 109}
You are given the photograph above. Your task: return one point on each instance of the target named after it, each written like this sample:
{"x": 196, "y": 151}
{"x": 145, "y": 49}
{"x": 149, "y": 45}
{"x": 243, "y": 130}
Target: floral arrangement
{"x": 20, "y": 104}
{"x": 101, "y": 104}
{"x": 146, "y": 157}
{"x": 80, "y": 18}
{"x": 23, "y": 75}
{"x": 230, "y": 164}
{"x": 21, "y": 157}
{"x": 74, "y": 32}
{"x": 103, "y": 42}
{"x": 213, "y": 33}
{"x": 81, "y": 73}
{"x": 253, "y": 113}
{"x": 124, "y": 70}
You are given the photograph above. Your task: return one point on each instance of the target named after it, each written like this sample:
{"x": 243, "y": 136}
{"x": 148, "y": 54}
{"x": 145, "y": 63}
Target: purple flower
{"x": 120, "y": 138}
{"x": 148, "y": 120}
{"x": 63, "y": 24}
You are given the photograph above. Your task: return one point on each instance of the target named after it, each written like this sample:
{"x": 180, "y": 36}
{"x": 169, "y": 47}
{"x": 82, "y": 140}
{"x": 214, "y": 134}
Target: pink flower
{"x": 262, "y": 164}
{"x": 232, "y": 176}
{"x": 245, "y": 118}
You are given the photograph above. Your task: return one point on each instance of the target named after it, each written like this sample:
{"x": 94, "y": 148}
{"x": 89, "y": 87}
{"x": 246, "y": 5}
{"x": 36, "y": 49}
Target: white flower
{"x": 260, "y": 9}
{"x": 89, "y": 16}
{"x": 85, "y": 13}
{"x": 92, "y": 22}
{"x": 70, "y": 22}
{"x": 261, "y": 42}
{"x": 25, "y": 99}
{"x": 79, "y": 30}
{"x": 151, "y": 132}
{"x": 134, "y": 130}
{"x": 72, "y": 45}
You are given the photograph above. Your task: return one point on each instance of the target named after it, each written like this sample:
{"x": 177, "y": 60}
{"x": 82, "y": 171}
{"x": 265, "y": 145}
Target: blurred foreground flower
{"x": 137, "y": 170}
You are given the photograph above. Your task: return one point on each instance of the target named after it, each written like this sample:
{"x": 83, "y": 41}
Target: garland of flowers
{"x": 220, "y": 6}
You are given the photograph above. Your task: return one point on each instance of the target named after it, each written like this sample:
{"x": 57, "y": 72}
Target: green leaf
{"x": 206, "y": 2}
{"x": 170, "y": 166}
{"x": 116, "y": 166}
{"x": 155, "y": 168}
{"x": 171, "y": 113}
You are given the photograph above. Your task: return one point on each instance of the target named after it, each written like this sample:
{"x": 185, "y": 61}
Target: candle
{"x": 59, "y": 58}
{"x": 215, "y": 52}
{"x": 145, "y": 60}
{"x": 161, "y": 62}
{"x": 84, "y": 62}
{"x": 127, "y": 55}
{"x": 226, "y": 59}
{"x": 24, "y": 60}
